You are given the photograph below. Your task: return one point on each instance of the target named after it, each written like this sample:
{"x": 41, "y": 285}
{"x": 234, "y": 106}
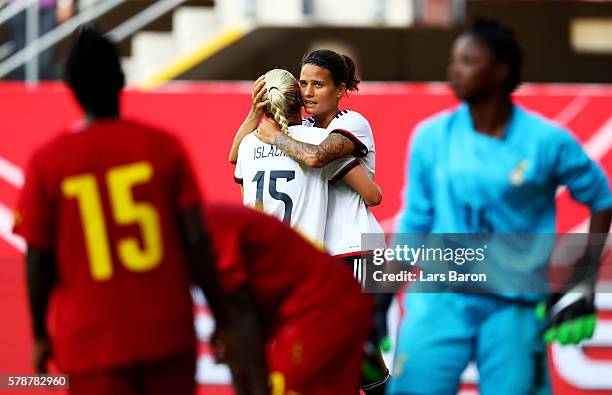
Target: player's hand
{"x": 570, "y": 316}
{"x": 258, "y": 106}
{"x": 42, "y": 354}
{"x": 268, "y": 130}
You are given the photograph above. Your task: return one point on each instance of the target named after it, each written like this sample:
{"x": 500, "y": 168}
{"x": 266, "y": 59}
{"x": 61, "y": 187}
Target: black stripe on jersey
{"x": 344, "y": 171}
{"x": 360, "y": 149}
{"x": 341, "y": 113}
{"x": 353, "y": 254}
{"x": 238, "y": 180}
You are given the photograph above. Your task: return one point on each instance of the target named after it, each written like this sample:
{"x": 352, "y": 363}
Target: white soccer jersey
{"x": 348, "y": 217}
{"x": 278, "y": 185}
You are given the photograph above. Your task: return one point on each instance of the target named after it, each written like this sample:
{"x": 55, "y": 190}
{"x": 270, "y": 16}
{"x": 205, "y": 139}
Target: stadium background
{"x": 206, "y": 114}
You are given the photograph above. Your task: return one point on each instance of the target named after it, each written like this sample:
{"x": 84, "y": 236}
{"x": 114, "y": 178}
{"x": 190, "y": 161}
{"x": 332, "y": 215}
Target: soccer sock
{"x": 378, "y": 387}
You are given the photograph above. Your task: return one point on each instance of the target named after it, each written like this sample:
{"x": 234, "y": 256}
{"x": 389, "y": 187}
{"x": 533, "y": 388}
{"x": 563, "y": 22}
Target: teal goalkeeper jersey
{"x": 463, "y": 181}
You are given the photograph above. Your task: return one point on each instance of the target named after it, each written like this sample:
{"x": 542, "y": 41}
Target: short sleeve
{"x": 187, "y": 191}
{"x": 238, "y": 171}
{"x": 355, "y": 127}
{"x": 34, "y": 217}
{"x": 583, "y": 177}
{"x": 417, "y": 215}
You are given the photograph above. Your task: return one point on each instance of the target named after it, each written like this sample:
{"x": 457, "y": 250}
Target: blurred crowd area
{"x": 393, "y": 40}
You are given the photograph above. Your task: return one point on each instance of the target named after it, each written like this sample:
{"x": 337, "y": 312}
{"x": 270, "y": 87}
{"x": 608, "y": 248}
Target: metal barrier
{"x": 35, "y": 45}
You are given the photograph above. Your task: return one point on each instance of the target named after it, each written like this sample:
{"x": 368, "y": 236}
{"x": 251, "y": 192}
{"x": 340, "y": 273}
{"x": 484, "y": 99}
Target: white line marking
{"x": 597, "y": 146}
{"x": 6, "y": 229}
{"x": 571, "y": 110}
{"x": 600, "y": 142}
{"x": 11, "y": 173}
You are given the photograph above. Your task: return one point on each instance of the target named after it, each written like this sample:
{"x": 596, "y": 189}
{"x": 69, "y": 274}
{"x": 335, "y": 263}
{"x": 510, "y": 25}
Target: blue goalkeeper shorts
{"x": 442, "y": 332}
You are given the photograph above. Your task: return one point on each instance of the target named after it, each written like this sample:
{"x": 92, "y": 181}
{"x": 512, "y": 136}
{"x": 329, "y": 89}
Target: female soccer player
{"x": 490, "y": 167}
{"x": 111, "y": 216}
{"x": 325, "y": 78}
{"x": 272, "y": 181}
{"x": 311, "y": 313}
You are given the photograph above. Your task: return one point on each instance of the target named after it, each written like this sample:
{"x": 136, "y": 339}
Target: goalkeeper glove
{"x": 570, "y": 316}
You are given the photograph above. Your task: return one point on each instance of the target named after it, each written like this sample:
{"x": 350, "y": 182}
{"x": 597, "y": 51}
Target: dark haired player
{"x": 326, "y": 77}
{"x": 111, "y": 215}
{"x": 489, "y": 166}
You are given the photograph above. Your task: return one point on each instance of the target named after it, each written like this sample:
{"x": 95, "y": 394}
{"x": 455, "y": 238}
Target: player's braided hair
{"x": 283, "y": 95}
{"x": 502, "y": 44}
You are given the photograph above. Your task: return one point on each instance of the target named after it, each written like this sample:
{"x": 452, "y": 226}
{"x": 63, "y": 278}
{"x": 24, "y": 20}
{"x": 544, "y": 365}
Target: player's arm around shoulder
{"x": 333, "y": 147}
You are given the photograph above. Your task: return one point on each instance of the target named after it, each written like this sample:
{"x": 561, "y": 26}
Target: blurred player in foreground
{"x": 111, "y": 215}
{"x": 311, "y": 313}
{"x": 489, "y": 166}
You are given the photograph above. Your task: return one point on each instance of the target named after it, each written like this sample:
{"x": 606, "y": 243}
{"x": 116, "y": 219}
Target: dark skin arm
{"x": 200, "y": 257}
{"x": 41, "y": 278}
{"x": 243, "y": 345}
{"x": 333, "y": 147}
{"x": 589, "y": 265}
{"x": 235, "y": 317}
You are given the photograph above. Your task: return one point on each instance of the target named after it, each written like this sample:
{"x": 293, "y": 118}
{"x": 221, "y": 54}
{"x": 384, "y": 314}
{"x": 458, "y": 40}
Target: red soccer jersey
{"x": 105, "y": 199}
{"x": 287, "y": 277}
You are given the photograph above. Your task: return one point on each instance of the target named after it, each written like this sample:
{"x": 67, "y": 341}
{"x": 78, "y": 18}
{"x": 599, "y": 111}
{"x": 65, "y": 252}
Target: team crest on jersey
{"x": 517, "y": 176}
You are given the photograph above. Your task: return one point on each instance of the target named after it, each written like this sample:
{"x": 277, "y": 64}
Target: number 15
{"x": 125, "y": 211}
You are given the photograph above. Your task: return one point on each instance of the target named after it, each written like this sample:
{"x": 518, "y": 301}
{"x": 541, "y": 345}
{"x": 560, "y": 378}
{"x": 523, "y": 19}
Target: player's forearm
{"x": 249, "y": 124}
{"x": 600, "y": 221}
{"x": 203, "y": 265}
{"x": 200, "y": 256}
{"x": 361, "y": 183}
{"x": 588, "y": 267}
{"x": 245, "y": 345}
{"x": 374, "y": 196}
{"x": 308, "y": 154}
{"x": 598, "y": 233}
{"x": 41, "y": 279}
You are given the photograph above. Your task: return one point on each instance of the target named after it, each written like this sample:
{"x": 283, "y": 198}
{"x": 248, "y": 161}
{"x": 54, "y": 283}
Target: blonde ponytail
{"x": 283, "y": 95}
